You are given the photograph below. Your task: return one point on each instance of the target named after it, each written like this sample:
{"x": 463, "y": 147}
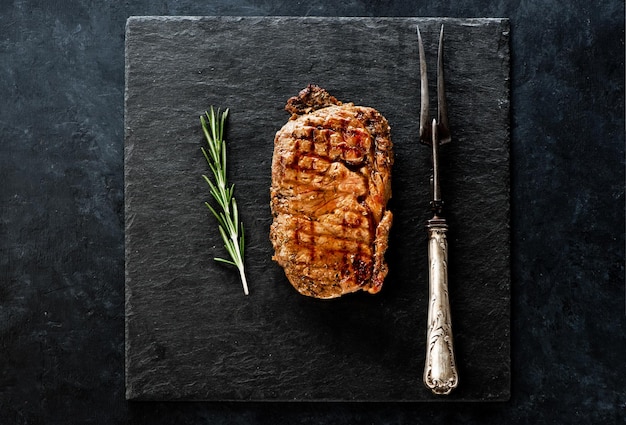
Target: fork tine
{"x": 442, "y": 108}
{"x": 424, "y": 114}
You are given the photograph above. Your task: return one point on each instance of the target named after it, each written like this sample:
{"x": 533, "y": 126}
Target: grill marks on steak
{"x": 331, "y": 182}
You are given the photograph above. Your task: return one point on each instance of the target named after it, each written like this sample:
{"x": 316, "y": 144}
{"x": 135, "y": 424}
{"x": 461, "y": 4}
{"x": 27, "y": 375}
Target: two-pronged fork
{"x": 440, "y": 373}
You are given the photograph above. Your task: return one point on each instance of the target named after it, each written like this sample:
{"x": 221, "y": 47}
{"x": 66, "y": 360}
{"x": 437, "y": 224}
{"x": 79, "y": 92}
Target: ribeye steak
{"x": 331, "y": 181}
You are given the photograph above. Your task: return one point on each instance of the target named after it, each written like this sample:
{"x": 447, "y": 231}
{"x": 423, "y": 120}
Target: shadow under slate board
{"x": 191, "y": 334}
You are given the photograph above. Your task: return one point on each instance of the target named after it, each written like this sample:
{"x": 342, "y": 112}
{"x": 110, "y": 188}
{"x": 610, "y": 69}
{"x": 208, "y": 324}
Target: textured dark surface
{"x": 62, "y": 235}
{"x": 191, "y": 333}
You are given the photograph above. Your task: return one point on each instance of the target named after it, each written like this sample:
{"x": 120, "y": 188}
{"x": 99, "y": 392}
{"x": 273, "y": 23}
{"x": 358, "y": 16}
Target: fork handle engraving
{"x": 440, "y": 373}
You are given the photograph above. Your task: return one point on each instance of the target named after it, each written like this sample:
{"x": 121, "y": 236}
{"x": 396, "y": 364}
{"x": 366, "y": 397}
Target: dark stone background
{"x": 61, "y": 216}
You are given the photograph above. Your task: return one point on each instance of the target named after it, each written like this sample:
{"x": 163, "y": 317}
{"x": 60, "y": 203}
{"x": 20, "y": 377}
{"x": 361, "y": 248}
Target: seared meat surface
{"x": 331, "y": 181}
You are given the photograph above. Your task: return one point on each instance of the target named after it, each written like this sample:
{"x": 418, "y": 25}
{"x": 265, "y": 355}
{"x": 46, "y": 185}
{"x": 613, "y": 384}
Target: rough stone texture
{"x": 191, "y": 333}
{"x": 62, "y": 217}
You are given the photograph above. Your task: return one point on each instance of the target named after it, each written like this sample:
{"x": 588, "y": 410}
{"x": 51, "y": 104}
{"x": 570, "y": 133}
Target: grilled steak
{"x": 331, "y": 180}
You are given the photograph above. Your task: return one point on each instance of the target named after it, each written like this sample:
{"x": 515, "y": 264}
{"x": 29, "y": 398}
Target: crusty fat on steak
{"x": 331, "y": 180}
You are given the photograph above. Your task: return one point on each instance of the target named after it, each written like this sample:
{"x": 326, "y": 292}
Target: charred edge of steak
{"x": 310, "y": 99}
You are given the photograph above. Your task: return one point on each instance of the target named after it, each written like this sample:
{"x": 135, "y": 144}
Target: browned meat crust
{"x": 310, "y": 99}
{"x": 331, "y": 181}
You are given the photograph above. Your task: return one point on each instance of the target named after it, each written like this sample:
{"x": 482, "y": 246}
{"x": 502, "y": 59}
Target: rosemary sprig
{"x": 213, "y": 124}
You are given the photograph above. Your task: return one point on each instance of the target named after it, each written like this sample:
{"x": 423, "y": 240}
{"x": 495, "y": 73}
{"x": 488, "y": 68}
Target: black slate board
{"x": 191, "y": 334}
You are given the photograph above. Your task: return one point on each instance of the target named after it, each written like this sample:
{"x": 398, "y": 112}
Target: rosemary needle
{"x": 227, "y": 214}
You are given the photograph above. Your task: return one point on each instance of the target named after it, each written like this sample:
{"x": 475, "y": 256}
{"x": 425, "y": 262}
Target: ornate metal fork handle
{"x": 440, "y": 372}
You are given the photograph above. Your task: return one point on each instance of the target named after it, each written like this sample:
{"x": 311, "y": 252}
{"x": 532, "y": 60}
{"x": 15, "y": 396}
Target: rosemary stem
{"x": 228, "y": 218}
{"x": 244, "y": 281}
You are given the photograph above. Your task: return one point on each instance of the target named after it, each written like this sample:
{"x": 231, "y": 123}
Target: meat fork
{"x": 440, "y": 373}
